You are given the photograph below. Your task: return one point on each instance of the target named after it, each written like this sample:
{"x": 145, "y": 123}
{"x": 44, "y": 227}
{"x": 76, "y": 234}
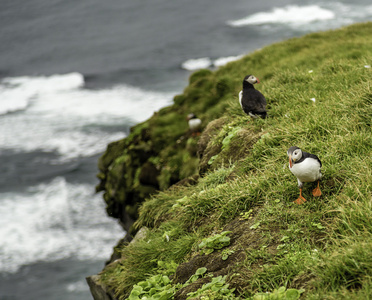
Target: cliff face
{"x": 215, "y": 212}
{"x": 159, "y": 152}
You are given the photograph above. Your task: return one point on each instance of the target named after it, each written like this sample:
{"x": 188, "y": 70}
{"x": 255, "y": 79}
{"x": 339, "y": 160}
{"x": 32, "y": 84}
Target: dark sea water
{"x": 74, "y": 76}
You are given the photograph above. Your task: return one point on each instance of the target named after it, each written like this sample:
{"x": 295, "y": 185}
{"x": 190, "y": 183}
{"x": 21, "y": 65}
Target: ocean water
{"x": 75, "y": 76}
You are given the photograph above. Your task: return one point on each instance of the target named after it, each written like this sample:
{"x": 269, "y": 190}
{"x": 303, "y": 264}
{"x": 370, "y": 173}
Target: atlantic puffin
{"x": 306, "y": 167}
{"x": 194, "y": 124}
{"x": 251, "y": 100}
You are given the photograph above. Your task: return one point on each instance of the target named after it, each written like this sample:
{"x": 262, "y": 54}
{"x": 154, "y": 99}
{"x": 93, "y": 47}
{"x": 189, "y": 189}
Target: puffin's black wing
{"x": 306, "y": 155}
{"x": 253, "y": 102}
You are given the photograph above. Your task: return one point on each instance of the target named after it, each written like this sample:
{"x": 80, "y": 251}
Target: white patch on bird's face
{"x": 296, "y": 155}
{"x": 252, "y": 79}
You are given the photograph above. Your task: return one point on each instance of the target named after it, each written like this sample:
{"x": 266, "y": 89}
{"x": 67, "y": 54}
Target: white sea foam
{"x": 16, "y": 93}
{"x": 79, "y": 286}
{"x": 318, "y": 16}
{"x": 60, "y": 115}
{"x": 197, "y": 63}
{"x": 206, "y": 62}
{"x": 11, "y": 101}
{"x": 291, "y": 14}
{"x": 39, "y": 84}
{"x": 53, "y": 221}
{"x": 219, "y": 62}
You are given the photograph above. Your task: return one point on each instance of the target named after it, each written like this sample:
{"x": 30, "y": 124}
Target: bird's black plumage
{"x": 251, "y": 100}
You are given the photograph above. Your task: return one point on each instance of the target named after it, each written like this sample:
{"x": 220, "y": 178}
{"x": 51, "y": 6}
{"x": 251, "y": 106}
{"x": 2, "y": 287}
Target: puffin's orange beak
{"x": 257, "y": 80}
{"x": 290, "y": 161}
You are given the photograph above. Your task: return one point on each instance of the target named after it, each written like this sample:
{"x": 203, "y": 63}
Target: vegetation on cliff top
{"x": 319, "y": 95}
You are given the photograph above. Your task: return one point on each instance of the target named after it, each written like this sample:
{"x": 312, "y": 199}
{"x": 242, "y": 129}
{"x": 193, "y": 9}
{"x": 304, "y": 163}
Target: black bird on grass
{"x": 306, "y": 167}
{"x": 251, "y": 100}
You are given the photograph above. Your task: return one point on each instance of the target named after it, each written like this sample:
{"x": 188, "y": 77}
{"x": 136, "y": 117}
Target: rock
{"x": 98, "y": 290}
{"x": 148, "y": 175}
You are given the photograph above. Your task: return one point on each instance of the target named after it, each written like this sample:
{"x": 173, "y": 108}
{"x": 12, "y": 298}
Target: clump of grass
{"x": 346, "y": 272}
{"x": 217, "y": 177}
{"x": 167, "y": 244}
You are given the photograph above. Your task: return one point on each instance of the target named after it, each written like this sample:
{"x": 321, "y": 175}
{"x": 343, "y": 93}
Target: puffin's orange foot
{"x": 317, "y": 192}
{"x": 300, "y": 200}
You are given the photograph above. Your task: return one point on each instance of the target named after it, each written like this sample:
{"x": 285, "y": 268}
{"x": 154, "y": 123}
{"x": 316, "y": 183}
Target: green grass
{"x": 324, "y": 246}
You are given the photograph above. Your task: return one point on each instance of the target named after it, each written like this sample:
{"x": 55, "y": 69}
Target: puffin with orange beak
{"x": 306, "y": 167}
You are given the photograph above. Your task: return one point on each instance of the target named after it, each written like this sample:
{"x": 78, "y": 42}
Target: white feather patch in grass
{"x": 312, "y": 99}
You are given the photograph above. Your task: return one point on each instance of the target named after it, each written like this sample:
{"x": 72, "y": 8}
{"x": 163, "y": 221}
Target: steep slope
{"x": 161, "y": 151}
{"x": 235, "y": 232}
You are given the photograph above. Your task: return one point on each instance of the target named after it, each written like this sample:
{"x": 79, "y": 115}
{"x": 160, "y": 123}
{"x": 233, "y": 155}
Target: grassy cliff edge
{"x": 233, "y": 232}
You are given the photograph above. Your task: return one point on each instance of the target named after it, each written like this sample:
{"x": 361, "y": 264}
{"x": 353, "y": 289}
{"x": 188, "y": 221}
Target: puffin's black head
{"x": 250, "y": 80}
{"x": 294, "y": 153}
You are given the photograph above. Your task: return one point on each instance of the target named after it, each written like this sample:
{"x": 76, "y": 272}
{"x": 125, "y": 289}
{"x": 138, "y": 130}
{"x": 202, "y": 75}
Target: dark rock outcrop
{"x": 98, "y": 290}
{"x": 134, "y": 168}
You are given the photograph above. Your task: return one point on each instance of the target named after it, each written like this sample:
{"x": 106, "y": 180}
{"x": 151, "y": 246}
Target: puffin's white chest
{"x": 307, "y": 171}
{"x": 194, "y": 124}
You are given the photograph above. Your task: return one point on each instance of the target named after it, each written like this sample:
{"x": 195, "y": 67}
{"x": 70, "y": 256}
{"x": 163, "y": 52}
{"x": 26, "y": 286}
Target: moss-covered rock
{"x": 223, "y": 143}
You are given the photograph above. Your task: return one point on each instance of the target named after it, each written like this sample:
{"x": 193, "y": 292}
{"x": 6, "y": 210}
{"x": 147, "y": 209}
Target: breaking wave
{"x": 321, "y": 16}
{"x": 52, "y": 221}
{"x": 57, "y": 114}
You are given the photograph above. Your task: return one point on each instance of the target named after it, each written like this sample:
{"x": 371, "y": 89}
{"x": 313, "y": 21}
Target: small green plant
{"x": 218, "y": 241}
{"x": 226, "y": 253}
{"x": 160, "y": 287}
{"x": 216, "y": 289}
{"x": 285, "y": 238}
{"x": 157, "y": 287}
{"x": 281, "y": 246}
{"x": 226, "y": 141}
{"x": 212, "y": 159}
{"x": 167, "y": 268}
{"x": 199, "y": 272}
{"x": 317, "y": 225}
{"x": 246, "y": 215}
{"x": 280, "y": 294}
{"x": 255, "y": 226}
